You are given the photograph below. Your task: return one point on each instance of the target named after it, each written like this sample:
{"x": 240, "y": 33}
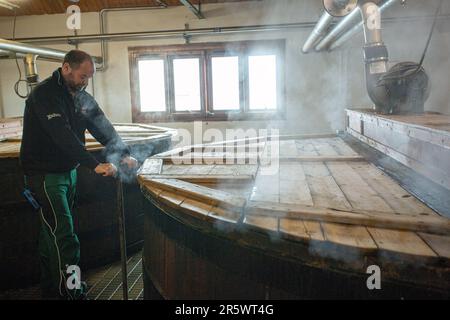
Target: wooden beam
{"x": 431, "y": 224}
{"x": 196, "y": 192}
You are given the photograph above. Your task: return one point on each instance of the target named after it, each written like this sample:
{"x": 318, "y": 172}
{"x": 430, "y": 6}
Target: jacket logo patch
{"x": 53, "y": 115}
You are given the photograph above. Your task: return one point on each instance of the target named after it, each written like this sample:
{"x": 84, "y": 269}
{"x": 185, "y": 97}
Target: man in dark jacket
{"x": 57, "y": 114}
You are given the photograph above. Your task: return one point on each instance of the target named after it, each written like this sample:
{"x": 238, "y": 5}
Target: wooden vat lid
{"x": 324, "y": 195}
{"x": 130, "y": 133}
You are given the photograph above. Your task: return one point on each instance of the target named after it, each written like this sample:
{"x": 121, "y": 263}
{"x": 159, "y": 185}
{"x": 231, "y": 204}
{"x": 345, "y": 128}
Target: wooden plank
{"x": 209, "y": 160}
{"x": 325, "y": 192}
{"x": 398, "y": 198}
{"x": 151, "y": 189}
{"x": 172, "y": 199}
{"x": 176, "y": 169}
{"x": 293, "y": 228}
{"x": 200, "y": 169}
{"x": 205, "y": 179}
{"x": 292, "y": 171}
{"x": 266, "y": 188}
{"x": 237, "y": 142}
{"x": 439, "y": 244}
{"x": 306, "y": 148}
{"x": 189, "y": 190}
{"x": 294, "y": 188}
{"x": 151, "y": 167}
{"x": 431, "y": 224}
{"x": 314, "y": 229}
{"x": 323, "y": 158}
{"x": 360, "y": 195}
{"x": 224, "y": 215}
{"x": 401, "y": 241}
{"x": 288, "y": 148}
{"x": 196, "y": 208}
{"x": 262, "y": 223}
{"x": 223, "y": 170}
{"x": 341, "y": 147}
{"x": 324, "y": 148}
{"x": 348, "y": 235}
{"x": 246, "y": 169}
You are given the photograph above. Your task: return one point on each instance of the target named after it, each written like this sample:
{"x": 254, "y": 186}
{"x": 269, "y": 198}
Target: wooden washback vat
{"x": 95, "y": 212}
{"x": 311, "y": 230}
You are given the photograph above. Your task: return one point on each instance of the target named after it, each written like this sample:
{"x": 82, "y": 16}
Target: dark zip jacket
{"x": 54, "y": 127}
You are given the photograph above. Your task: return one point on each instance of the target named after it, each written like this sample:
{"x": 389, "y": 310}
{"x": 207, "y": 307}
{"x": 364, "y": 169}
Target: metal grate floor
{"x": 104, "y": 283}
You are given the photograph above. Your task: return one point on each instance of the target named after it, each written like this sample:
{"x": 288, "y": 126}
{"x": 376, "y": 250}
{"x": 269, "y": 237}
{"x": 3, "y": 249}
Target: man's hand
{"x": 130, "y": 162}
{"x": 106, "y": 170}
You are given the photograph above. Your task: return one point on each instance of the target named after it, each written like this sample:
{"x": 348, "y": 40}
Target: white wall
{"x": 319, "y": 86}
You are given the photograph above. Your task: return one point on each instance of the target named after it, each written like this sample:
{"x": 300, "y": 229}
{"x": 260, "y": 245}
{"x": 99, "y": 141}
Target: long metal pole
{"x": 122, "y": 237}
{"x": 169, "y": 33}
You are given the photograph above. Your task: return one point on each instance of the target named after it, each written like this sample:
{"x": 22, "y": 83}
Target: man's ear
{"x": 66, "y": 68}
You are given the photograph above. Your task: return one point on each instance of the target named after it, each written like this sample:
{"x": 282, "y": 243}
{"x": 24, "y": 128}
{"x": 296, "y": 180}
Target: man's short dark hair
{"x": 76, "y": 57}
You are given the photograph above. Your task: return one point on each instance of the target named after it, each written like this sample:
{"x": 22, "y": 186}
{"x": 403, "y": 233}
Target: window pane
{"x": 186, "y": 75}
{"x": 151, "y": 85}
{"x": 225, "y": 83}
{"x": 263, "y": 82}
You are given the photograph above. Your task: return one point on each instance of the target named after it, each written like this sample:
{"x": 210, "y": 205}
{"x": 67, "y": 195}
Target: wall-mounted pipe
{"x": 170, "y": 33}
{"x": 18, "y": 47}
{"x": 102, "y": 17}
{"x": 318, "y": 32}
{"x": 375, "y": 54}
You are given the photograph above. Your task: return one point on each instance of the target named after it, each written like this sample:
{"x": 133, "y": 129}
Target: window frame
{"x": 206, "y": 51}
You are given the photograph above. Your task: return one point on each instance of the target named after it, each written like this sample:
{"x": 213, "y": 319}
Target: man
{"x": 57, "y": 113}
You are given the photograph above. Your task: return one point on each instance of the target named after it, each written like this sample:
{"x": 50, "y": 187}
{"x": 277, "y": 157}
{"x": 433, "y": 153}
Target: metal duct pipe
{"x": 351, "y": 19}
{"x": 375, "y": 55}
{"x": 13, "y": 46}
{"x": 358, "y": 28}
{"x": 319, "y": 30}
{"x": 31, "y": 73}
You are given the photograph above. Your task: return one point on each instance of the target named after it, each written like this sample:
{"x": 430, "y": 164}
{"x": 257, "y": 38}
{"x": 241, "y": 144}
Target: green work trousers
{"x": 59, "y": 247}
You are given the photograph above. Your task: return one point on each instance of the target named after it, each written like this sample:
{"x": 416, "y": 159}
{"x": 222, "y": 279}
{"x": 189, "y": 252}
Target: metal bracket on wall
{"x": 190, "y": 6}
{"x": 187, "y": 37}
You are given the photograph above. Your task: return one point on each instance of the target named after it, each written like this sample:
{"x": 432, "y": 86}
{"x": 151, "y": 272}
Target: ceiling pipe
{"x": 8, "y": 5}
{"x": 18, "y": 47}
{"x": 351, "y": 19}
{"x": 340, "y": 40}
{"x": 169, "y": 33}
{"x": 318, "y": 32}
